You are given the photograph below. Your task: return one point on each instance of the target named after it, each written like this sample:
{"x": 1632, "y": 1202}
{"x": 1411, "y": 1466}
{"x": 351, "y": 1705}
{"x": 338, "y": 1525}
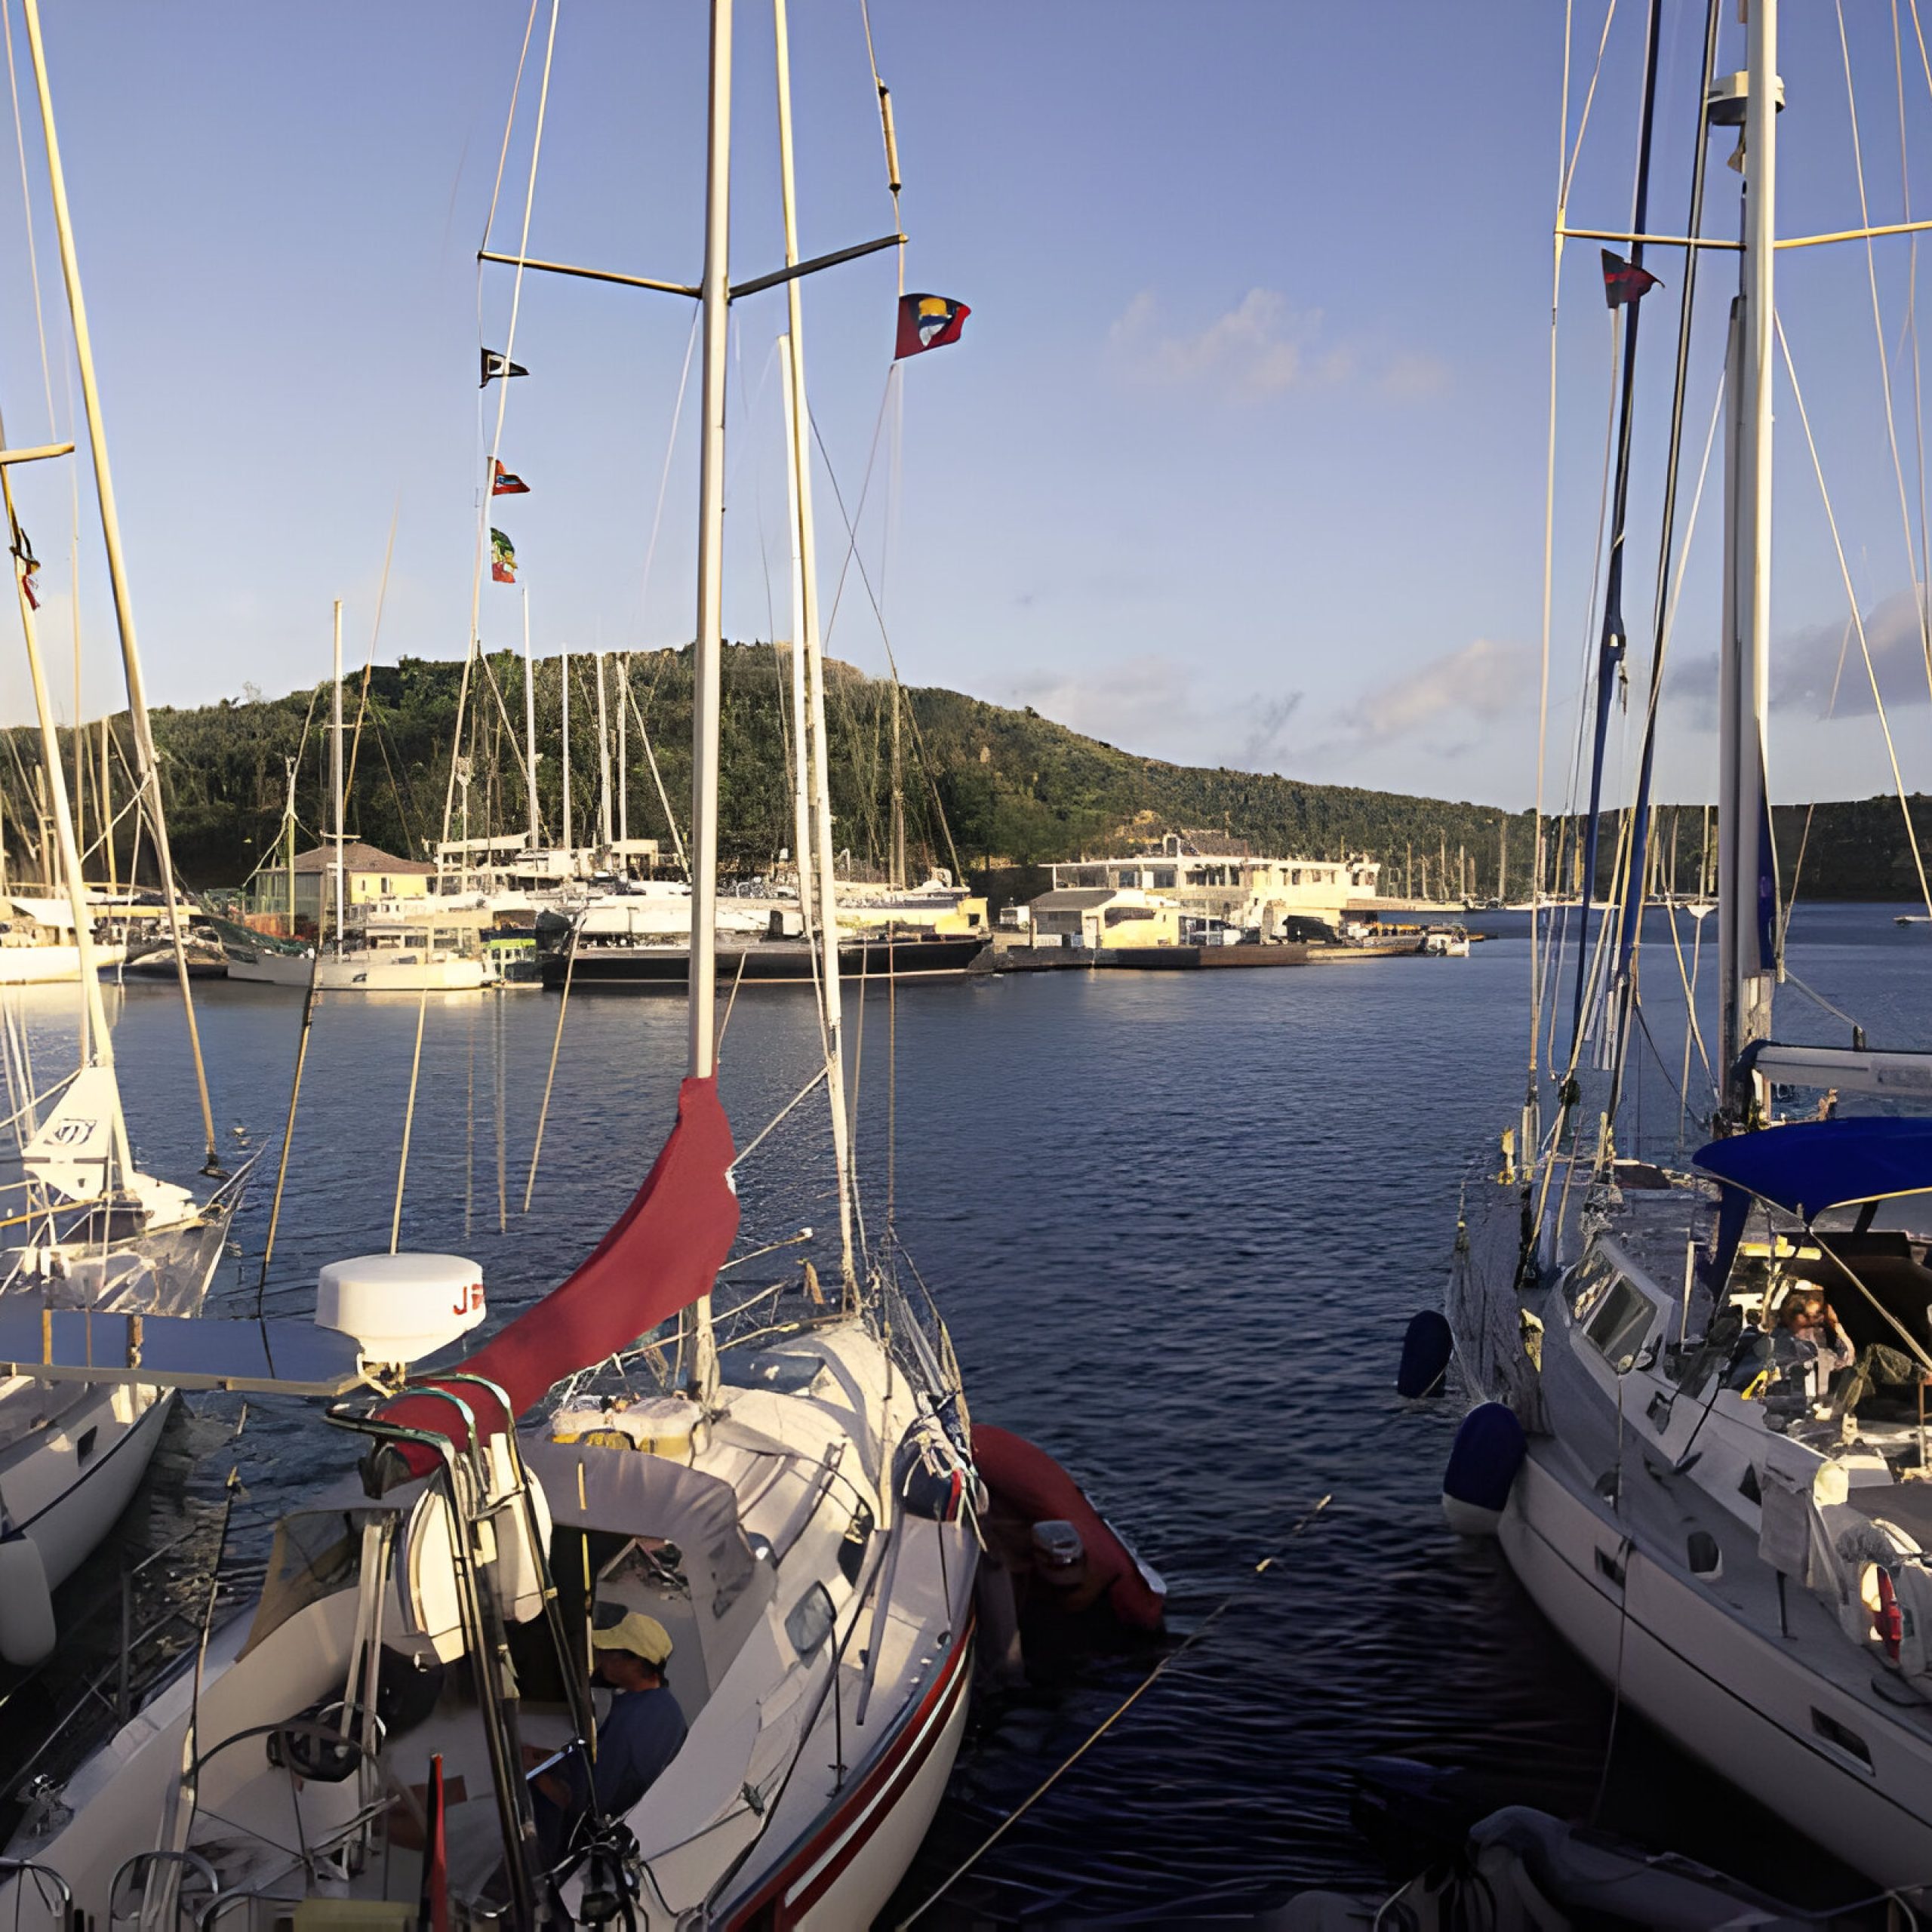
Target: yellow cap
{"x": 643, "y": 1636}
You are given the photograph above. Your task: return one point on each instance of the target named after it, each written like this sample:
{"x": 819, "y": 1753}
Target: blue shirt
{"x": 639, "y": 1736}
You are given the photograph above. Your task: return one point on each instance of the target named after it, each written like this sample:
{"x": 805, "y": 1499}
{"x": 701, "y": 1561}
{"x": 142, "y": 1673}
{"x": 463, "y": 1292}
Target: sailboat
{"x": 787, "y": 1492}
{"x": 1735, "y": 1540}
{"x": 382, "y": 954}
{"x": 87, "y": 1233}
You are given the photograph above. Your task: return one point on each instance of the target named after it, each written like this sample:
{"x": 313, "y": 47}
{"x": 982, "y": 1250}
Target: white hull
{"x": 52, "y": 965}
{"x": 1727, "y": 1696}
{"x": 366, "y": 973}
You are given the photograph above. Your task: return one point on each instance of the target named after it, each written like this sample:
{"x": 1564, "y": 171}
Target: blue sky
{"x": 1240, "y": 461}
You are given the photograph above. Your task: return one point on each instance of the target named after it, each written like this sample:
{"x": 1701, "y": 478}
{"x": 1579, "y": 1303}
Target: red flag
{"x": 502, "y": 558}
{"x": 1624, "y": 282}
{"x": 435, "y": 1907}
{"x": 928, "y": 321}
{"x": 506, "y": 483}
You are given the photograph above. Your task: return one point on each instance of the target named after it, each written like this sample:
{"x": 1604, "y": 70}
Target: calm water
{"x": 1177, "y": 1223}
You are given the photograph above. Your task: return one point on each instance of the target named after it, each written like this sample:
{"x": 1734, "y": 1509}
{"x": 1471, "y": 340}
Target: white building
{"x": 1209, "y": 875}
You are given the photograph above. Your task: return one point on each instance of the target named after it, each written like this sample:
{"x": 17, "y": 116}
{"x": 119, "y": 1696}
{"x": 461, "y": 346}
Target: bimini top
{"x": 1812, "y": 1165}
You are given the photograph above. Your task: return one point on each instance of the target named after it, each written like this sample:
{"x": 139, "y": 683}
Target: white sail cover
{"x": 69, "y": 1153}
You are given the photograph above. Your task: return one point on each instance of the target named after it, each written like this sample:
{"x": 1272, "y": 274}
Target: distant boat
{"x": 1912, "y": 919}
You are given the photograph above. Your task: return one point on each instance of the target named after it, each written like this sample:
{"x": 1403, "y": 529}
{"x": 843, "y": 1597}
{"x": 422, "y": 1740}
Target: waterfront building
{"x": 1100, "y": 917}
{"x": 368, "y": 874}
{"x": 1208, "y": 875}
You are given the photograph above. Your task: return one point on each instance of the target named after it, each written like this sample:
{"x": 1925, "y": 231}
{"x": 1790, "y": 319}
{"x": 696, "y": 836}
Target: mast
{"x": 564, "y": 685}
{"x": 335, "y": 771}
{"x": 97, "y": 1043}
{"x": 1743, "y": 863}
{"x": 623, "y": 753}
{"x": 530, "y": 726}
{"x": 288, "y": 845}
{"x": 898, "y": 793}
{"x": 603, "y": 760}
{"x": 815, "y": 746}
{"x": 708, "y": 644}
{"x": 801, "y": 809}
{"x": 149, "y": 766}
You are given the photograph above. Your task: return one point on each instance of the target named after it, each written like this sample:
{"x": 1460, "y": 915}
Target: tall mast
{"x": 1744, "y": 962}
{"x": 95, "y": 1042}
{"x": 564, "y": 728}
{"x": 623, "y": 751}
{"x": 801, "y": 808}
{"x": 335, "y": 771}
{"x": 813, "y": 752}
{"x": 288, "y": 846}
{"x": 709, "y": 642}
{"x": 603, "y": 761}
{"x": 530, "y": 726}
{"x": 149, "y": 768}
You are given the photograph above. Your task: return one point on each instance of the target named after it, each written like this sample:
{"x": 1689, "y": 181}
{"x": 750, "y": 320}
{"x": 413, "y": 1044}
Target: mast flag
{"x": 928, "y": 321}
{"x": 502, "y": 558}
{"x": 29, "y": 567}
{"x": 1625, "y": 282}
{"x": 506, "y": 482}
{"x": 495, "y": 365}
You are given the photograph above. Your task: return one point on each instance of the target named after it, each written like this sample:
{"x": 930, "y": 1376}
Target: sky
{"x": 1240, "y": 461}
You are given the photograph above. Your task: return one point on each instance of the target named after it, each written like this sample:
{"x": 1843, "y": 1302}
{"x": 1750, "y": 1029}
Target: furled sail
{"x": 663, "y": 1252}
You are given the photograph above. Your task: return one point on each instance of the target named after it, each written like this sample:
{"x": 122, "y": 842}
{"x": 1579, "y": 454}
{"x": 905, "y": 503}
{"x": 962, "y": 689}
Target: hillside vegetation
{"x": 998, "y": 787}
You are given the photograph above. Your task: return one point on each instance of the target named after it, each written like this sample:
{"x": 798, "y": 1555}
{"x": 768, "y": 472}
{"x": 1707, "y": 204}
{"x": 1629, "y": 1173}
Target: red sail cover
{"x": 664, "y": 1251}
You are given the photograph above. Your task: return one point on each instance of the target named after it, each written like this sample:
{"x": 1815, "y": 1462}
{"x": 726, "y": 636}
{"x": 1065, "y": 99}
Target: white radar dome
{"x": 400, "y": 1306}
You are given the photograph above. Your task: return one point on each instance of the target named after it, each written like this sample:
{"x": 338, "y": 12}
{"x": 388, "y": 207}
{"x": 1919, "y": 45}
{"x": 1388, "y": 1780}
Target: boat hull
{"x": 767, "y": 962}
{"x": 843, "y": 1874}
{"x": 1722, "y": 1693}
{"x": 52, "y": 965}
{"x": 367, "y": 974}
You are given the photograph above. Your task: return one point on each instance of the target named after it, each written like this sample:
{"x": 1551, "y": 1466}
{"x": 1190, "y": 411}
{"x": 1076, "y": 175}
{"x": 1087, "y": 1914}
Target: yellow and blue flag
{"x": 928, "y": 321}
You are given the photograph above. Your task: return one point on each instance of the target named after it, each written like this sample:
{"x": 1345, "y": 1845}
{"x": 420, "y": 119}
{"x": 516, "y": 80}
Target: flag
{"x": 1624, "y": 282}
{"x": 506, "y": 483}
{"x": 29, "y": 567}
{"x": 928, "y": 321}
{"x": 494, "y": 364}
{"x": 502, "y": 558}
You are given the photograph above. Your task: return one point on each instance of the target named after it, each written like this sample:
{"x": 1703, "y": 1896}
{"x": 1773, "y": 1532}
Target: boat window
{"x": 1620, "y": 1325}
{"x": 317, "y": 1553}
{"x": 809, "y": 1621}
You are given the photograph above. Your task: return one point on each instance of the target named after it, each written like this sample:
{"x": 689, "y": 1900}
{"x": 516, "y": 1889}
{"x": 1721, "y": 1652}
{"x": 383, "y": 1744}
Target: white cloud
{"x": 1261, "y": 348}
{"x": 1154, "y": 706}
{"x": 1484, "y": 681}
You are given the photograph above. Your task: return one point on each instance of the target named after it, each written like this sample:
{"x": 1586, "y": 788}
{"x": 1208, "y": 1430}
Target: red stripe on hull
{"x": 769, "y": 1909}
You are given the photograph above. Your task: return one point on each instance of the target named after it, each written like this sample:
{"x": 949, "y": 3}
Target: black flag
{"x": 1624, "y": 282}
{"x": 494, "y": 364}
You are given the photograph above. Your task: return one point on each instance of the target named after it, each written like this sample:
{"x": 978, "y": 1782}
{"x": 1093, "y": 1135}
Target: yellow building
{"x": 368, "y": 874}
{"x": 1101, "y": 917}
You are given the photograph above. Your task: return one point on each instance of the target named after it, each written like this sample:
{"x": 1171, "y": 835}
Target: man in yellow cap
{"x": 641, "y": 1734}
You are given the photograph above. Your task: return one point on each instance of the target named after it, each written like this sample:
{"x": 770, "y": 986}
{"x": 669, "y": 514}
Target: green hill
{"x": 996, "y": 786}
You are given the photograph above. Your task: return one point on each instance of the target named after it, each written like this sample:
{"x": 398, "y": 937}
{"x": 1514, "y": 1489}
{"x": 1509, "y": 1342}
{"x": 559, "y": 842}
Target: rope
{"x": 503, "y": 392}
{"x": 744, "y": 1153}
{"x": 549, "y": 1078}
{"x": 1106, "y": 1724}
{"x": 1864, "y": 645}
{"x": 1912, "y": 560}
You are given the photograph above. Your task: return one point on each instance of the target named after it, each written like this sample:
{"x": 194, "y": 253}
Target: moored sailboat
{"x": 787, "y": 1496}
{"x": 1688, "y": 1448}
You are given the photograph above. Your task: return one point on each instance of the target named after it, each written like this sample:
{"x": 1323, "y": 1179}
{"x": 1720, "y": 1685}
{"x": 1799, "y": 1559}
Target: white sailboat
{"x": 87, "y": 1233}
{"x": 380, "y": 956}
{"x": 1735, "y": 1540}
{"x": 788, "y": 1494}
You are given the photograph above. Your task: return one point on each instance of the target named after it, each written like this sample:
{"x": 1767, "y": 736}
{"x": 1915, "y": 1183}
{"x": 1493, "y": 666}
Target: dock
{"x": 1136, "y": 958}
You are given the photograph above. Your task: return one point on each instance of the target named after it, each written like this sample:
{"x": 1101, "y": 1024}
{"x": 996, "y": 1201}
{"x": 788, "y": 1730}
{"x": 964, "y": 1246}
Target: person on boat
{"x": 1807, "y": 1316}
{"x": 641, "y": 1734}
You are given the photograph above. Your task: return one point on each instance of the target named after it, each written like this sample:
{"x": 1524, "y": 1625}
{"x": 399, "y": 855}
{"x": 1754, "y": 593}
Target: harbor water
{"x": 1177, "y": 1223}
